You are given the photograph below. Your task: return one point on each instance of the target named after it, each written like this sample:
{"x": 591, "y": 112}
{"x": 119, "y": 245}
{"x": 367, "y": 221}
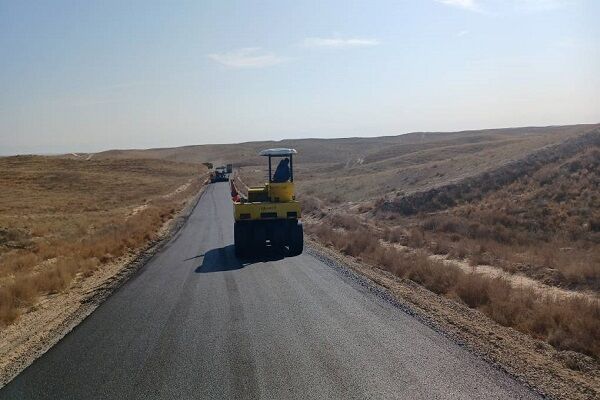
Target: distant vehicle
{"x": 219, "y": 175}
{"x": 229, "y": 168}
{"x": 271, "y": 215}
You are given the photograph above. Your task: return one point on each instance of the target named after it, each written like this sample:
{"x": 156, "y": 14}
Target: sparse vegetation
{"x": 62, "y": 218}
{"x": 567, "y": 324}
{"x": 542, "y": 224}
{"x": 358, "y": 169}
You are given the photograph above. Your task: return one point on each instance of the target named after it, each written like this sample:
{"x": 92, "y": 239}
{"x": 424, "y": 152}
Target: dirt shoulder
{"x": 557, "y": 374}
{"x": 36, "y": 331}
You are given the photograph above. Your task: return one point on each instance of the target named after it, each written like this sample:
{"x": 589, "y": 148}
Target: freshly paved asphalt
{"x": 197, "y": 323}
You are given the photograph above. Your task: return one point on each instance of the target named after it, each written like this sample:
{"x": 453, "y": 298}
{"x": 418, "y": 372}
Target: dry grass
{"x": 311, "y": 205}
{"x": 358, "y": 169}
{"x": 544, "y": 225}
{"x": 567, "y": 324}
{"x": 63, "y": 218}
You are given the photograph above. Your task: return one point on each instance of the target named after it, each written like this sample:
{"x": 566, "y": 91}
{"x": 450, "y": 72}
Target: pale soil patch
{"x": 531, "y": 361}
{"x": 142, "y": 207}
{"x": 180, "y": 189}
{"x": 53, "y": 316}
{"x": 138, "y": 210}
{"x": 516, "y": 280}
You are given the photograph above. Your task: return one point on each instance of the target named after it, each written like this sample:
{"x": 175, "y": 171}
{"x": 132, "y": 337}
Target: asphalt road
{"x": 195, "y": 322}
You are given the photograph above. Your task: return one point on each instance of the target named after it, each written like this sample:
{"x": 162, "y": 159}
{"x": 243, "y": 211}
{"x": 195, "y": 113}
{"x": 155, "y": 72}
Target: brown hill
{"x": 356, "y": 169}
{"x": 539, "y": 215}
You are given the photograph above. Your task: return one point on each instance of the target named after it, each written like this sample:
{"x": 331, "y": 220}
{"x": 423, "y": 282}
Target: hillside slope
{"x": 539, "y": 215}
{"x": 356, "y": 169}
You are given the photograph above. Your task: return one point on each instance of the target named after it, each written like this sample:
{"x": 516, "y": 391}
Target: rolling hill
{"x": 358, "y": 169}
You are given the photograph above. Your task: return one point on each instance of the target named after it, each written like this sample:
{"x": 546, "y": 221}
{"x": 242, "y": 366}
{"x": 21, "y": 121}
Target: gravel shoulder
{"x": 555, "y": 374}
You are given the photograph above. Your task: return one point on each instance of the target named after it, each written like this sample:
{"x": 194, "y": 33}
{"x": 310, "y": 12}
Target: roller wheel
{"x": 240, "y": 239}
{"x": 296, "y": 239}
{"x": 259, "y": 237}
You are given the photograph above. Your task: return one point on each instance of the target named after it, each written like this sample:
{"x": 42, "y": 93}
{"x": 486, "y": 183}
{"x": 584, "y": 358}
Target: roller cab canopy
{"x": 278, "y": 152}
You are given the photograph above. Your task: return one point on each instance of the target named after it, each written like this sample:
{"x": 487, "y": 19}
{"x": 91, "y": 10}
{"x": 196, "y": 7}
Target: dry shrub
{"x": 478, "y": 255}
{"x": 46, "y": 250}
{"x": 14, "y": 294}
{"x": 416, "y": 237}
{"x": 463, "y": 227}
{"x": 458, "y": 250}
{"x": 440, "y": 246}
{"x": 311, "y": 204}
{"x": 387, "y": 257}
{"x": 473, "y": 290}
{"x": 8, "y": 310}
{"x": 348, "y": 222}
{"x": 365, "y": 207}
{"x": 573, "y": 325}
{"x": 395, "y": 235}
{"x": 18, "y": 261}
{"x": 436, "y": 276}
{"x": 334, "y": 199}
{"x": 359, "y": 242}
{"x": 56, "y": 277}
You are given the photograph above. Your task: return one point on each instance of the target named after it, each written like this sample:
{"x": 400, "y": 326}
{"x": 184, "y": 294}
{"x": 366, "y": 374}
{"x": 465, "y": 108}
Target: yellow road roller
{"x": 270, "y": 216}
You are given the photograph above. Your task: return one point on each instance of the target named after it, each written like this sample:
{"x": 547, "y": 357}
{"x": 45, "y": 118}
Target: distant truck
{"x": 219, "y": 175}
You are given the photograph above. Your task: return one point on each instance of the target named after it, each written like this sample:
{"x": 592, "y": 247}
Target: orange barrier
{"x": 235, "y": 196}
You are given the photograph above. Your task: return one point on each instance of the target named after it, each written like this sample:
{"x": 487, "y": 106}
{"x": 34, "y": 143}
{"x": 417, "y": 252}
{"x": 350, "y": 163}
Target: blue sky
{"x": 87, "y": 76}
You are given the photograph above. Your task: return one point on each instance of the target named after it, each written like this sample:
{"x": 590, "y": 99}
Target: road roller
{"x": 270, "y": 215}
